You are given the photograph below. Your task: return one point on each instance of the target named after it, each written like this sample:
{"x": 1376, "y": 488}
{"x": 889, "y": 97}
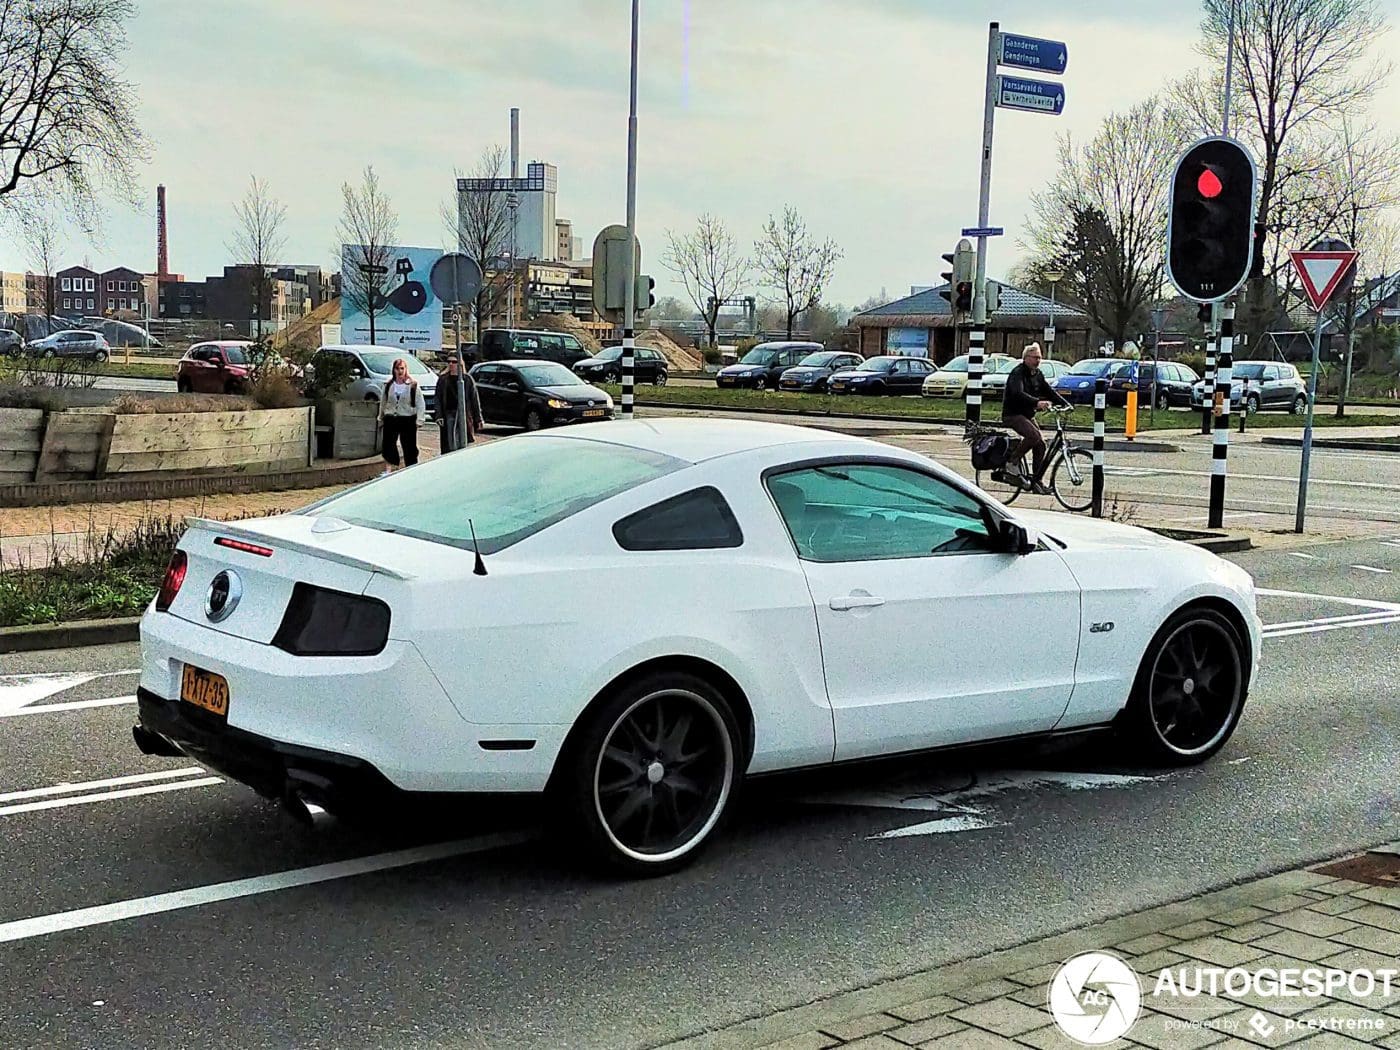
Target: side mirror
{"x": 1016, "y": 538}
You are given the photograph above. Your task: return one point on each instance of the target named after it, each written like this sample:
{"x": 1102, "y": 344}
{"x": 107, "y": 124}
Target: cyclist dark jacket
{"x": 1024, "y": 392}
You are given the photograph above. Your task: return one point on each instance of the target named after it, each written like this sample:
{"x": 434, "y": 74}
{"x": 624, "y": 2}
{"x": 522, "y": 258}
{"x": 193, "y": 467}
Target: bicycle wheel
{"x": 1004, "y": 490}
{"x": 1073, "y": 479}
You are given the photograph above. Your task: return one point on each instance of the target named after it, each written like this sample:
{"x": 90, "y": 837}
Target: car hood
{"x": 856, "y": 373}
{"x": 574, "y": 394}
{"x": 1075, "y": 381}
{"x": 806, "y": 372}
{"x": 1095, "y": 532}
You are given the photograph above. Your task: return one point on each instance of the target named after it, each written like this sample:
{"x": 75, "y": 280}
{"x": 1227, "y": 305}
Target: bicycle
{"x": 1069, "y": 467}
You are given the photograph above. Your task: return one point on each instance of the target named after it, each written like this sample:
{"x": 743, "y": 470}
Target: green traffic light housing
{"x": 1210, "y": 224}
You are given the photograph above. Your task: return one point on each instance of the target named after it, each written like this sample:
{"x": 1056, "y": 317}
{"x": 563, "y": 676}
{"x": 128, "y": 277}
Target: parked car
{"x": 498, "y": 344}
{"x": 1261, "y": 385}
{"x": 1077, "y": 385}
{"x": 812, "y": 372}
{"x": 11, "y": 343}
{"x": 439, "y": 630}
{"x": 72, "y": 342}
{"x": 950, "y": 380}
{"x": 214, "y": 368}
{"x": 763, "y": 366}
{"x": 648, "y": 366}
{"x": 537, "y": 394}
{"x": 883, "y": 375}
{"x": 1173, "y": 383}
{"x": 373, "y": 366}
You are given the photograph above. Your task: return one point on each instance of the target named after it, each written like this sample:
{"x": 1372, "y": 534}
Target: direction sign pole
{"x": 978, "y": 340}
{"x": 1308, "y": 426}
{"x": 629, "y": 307}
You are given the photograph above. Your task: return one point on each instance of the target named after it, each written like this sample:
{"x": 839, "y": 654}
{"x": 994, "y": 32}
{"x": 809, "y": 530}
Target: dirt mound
{"x": 304, "y": 334}
{"x": 677, "y": 358}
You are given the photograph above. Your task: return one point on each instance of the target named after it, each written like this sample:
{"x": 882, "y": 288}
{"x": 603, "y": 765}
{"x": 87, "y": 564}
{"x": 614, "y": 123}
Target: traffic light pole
{"x": 1208, "y": 400}
{"x": 629, "y": 301}
{"x": 1220, "y": 448}
{"x": 977, "y": 338}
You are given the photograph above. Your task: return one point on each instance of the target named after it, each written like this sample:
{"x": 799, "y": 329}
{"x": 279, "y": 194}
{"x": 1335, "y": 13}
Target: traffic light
{"x": 993, "y": 297}
{"x": 1210, "y": 224}
{"x": 646, "y": 293}
{"x": 610, "y": 271}
{"x": 962, "y": 263}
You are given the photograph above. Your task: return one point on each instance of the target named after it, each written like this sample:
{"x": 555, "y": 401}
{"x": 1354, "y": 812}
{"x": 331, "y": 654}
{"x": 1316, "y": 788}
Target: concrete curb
{"x": 1340, "y": 443}
{"x": 120, "y": 490}
{"x": 69, "y": 635}
{"x": 897, "y": 992}
{"x": 1216, "y": 542}
{"x": 835, "y": 420}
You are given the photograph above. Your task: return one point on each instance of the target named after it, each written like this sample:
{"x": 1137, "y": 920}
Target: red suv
{"x": 214, "y": 368}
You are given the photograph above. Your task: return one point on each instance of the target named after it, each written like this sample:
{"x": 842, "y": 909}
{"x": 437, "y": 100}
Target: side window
{"x": 869, "y": 512}
{"x": 488, "y": 374}
{"x": 527, "y": 345}
{"x": 900, "y": 368}
{"x": 696, "y": 520}
{"x": 572, "y": 343}
{"x": 1271, "y": 373}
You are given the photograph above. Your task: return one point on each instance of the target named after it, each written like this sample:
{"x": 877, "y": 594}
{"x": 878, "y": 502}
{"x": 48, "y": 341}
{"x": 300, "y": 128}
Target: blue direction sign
{"x": 1037, "y": 96}
{"x": 984, "y": 231}
{"x": 1030, "y": 52}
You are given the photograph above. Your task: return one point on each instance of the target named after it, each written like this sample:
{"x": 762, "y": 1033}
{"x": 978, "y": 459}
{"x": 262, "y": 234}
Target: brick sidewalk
{"x": 1299, "y": 919}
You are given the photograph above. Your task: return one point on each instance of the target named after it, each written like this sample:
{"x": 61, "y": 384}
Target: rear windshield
{"x": 508, "y": 490}
{"x": 1092, "y": 368}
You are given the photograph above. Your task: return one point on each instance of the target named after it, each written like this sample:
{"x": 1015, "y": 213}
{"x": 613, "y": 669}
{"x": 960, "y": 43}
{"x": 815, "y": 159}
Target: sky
{"x": 864, "y": 115}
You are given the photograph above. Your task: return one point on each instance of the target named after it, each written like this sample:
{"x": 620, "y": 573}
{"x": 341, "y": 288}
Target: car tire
{"x": 660, "y": 379}
{"x": 613, "y": 783}
{"x": 1251, "y": 404}
{"x": 612, "y": 377}
{"x": 182, "y": 386}
{"x": 1164, "y": 400}
{"x": 1300, "y": 405}
{"x": 100, "y": 356}
{"x": 761, "y": 383}
{"x": 1165, "y": 720}
{"x": 49, "y": 353}
{"x": 534, "y": 419}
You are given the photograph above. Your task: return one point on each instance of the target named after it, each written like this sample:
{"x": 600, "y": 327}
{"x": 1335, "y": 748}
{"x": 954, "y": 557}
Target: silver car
{"x": 372, "y": 367}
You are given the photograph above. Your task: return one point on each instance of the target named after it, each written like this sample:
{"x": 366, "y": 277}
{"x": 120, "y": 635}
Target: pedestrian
{"x": 398, "y": 411}
{"x": 448, "y": 438}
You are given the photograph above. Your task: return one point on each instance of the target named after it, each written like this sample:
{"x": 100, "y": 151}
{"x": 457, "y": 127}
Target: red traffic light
{"x": 1209, "y": 184}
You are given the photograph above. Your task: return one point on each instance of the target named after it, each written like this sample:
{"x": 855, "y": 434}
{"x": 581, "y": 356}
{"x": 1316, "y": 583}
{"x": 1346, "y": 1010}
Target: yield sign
{"x": 1322, "y": 272}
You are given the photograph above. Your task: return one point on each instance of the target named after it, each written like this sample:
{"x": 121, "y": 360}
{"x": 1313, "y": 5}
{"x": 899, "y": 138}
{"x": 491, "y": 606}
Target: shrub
{"x": 712, "y": 355}
{"x": 30, "y": 397}
{"x": 273, "y": 388}
{"x": 1195, "y": 362}
{"x": 136, "y": 405}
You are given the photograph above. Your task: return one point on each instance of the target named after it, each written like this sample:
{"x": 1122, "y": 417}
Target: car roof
{"x": 696, "y": 439}
{"x": 522, "y": 362}
{"x": 779, "y": 344}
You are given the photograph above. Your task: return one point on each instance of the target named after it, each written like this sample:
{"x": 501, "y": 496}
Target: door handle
{"x": 843, "y": 603}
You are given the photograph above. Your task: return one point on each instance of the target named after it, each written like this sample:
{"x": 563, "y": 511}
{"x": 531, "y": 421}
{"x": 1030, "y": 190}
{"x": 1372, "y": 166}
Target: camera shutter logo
{"x": 225, "y": 592}
{"x": 1095, "y": 998}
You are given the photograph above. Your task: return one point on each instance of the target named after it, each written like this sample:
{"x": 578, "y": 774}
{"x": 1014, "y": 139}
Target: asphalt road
{"x": 504, "y": 944}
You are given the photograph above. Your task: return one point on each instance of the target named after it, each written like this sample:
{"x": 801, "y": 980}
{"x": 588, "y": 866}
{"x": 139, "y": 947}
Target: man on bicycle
{"x": 1028, "y": 392}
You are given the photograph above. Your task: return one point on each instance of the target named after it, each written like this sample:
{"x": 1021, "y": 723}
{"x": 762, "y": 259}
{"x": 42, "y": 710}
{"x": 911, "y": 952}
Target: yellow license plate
{"x": 592, "y": 413}
{"x": 204, "y": 689}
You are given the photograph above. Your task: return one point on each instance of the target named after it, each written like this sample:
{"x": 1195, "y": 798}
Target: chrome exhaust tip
{"x": 304, "y": 811}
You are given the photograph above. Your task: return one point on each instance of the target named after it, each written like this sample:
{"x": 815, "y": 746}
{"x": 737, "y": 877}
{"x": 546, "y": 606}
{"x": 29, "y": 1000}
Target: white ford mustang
{"x": 632, "y": 617}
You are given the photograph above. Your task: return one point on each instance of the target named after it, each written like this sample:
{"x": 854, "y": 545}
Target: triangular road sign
{"x": 1322, "y": 272}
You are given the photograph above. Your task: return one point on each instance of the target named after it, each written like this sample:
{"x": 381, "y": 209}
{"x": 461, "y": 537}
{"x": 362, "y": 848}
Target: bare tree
{"x": 480, "y": 224}
{"x": 794, "y": 264}
{"x": 1298, "y": 63}
{"x": 43, "y": 239}
{"x": 67, "y": 120}
{"x": 710, "y": 265}
{"x": 258, "y": 242}
{"x": 1102, "y": 220}
{"x": 1364, "y": 180}
{"x": 368, "y": 231}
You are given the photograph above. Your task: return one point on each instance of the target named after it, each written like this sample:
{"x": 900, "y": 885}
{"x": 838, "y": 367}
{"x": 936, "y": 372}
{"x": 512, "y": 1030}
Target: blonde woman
{"x": 398, "y": 411}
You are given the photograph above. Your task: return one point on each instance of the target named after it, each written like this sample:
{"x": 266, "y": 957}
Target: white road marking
{"x": 1360, "y": 603}
{"x": 1391, "y": 543}
{"x": 71, "y": 705}
{"x": 1372, "y": 568}
{"x": 108, "y": 796}
{"x": 1378, "y": 485}
{"x": 1324, "y": 626}
{"x": 943, "y": 826}
{"x": 20, "y": 690}
{"x": 44, "y": 925}
{"x": 1354, "y": 618}
{"x": 1300, "y": 554}
{"x": 92, "y": 785}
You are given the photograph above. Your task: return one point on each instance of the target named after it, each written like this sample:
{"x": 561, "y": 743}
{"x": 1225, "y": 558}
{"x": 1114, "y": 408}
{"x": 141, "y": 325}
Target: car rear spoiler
{"x": 225, "y": 528}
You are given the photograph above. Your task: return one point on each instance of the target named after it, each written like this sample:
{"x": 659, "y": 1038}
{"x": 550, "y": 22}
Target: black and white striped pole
{"x": 1208, "y": 395}
{"x": 977, "y": 341}
{"x": 1100, "y": 404}
{"x": 1220, "y": 448}
{"x": 629, "y": 307}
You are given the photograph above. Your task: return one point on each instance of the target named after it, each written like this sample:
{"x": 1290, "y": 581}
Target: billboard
{"x": 407, "y": 314}
{"x": 907, "y": 342}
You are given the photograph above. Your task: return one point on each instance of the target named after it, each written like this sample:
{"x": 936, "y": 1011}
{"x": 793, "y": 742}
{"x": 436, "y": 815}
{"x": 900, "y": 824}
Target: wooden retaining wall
{"x": 21, "y": 438}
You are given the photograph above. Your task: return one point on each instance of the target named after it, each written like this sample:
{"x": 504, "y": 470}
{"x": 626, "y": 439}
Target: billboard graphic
{"x": 907, "y": 342}
{"x": 406, "y": 312}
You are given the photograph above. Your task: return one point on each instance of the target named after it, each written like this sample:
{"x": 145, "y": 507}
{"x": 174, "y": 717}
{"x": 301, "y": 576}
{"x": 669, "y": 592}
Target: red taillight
{"x": 174, "y": 579}
{"x": 246, "y": 548}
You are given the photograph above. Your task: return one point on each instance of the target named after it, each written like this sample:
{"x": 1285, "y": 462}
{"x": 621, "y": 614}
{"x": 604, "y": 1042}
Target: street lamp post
{"x": 1054, "y": 277}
